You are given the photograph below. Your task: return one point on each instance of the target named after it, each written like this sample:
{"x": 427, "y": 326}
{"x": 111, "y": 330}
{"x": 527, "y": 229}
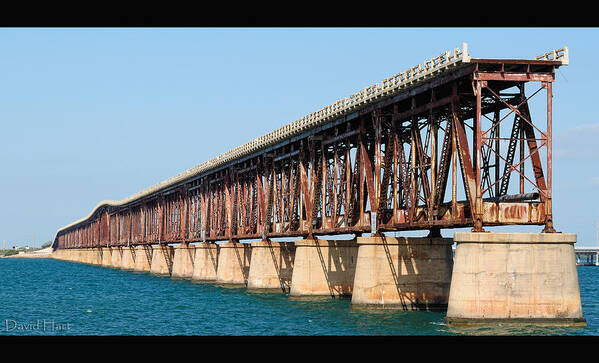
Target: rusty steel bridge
{"x": 449, "y": 143}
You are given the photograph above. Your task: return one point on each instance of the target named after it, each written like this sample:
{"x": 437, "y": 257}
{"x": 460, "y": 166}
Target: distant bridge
{"x": 587, "y": 256}
{"x": 428, "y": 148}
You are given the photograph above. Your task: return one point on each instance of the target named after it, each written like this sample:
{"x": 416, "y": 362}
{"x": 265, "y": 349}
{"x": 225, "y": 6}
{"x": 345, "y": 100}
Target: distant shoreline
{"x": 43, "y": 253}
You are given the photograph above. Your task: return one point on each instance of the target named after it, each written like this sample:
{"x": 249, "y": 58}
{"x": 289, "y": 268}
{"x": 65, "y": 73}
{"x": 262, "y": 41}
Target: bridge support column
{"x": 183, "y": 261}
{"x": 127, "y": 258}
{"x": 409, "y": 273}
{"x": 271, "y": 266}
{"x": 233, "y": 263}
{"x": 92, "y": 256}
{"x": 205, "y": 262}
{"x": 116, "y": 257}
{"x": 143, "y": 258}
{"x": 106, "y": 256}
{"x": 96, "y": 256}
{"x": 86, "y": 255}
{"x": 77, "y": 255}
{"x": 162, "y": 260}
{"x": 82, "y": 255}
{"x": 68, "y": 255}
{"x": 59, "y": 254}
{"x": 324, "y": 267}
{"x": 528, "y": 278}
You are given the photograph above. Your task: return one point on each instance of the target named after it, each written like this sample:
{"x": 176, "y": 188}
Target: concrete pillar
{"x": 205, "y": 262}
{"x": 82, "y": 255}
{"x": 409, "y": 273}
{"x": 143, "y": 258}
{"x": 597, "y": 259}
{"x": 233, "y": 263}
{"x": 87, "y": 256}
{"x": 183, "y": 261}
{"x": 162, "y": 260}
{"x": 128, "y": 258}
{"x": 271, "y": 266}
{"x": 58, "y": 254}
{"x": 96, "y": 256}
{"x": 91, "y": 256}
{"x": 324, "y": 267}
{"x": 116, "y": 257}
{"x": 514, "y": 278}
{"x": 106, "y": 256}
{"x": 78, "y": 255}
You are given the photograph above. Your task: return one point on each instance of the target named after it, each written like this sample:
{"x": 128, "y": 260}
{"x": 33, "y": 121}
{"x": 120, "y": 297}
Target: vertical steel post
{"x": 497, "y": 150}
{"x": 521, "y": 142}
{"x": 548, "y": 191}
{"x": 478, "y": 203}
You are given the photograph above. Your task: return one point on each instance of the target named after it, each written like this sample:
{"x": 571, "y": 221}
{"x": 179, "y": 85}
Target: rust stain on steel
{"x": 513, "y": 212}
{"x": 383, "y": 159}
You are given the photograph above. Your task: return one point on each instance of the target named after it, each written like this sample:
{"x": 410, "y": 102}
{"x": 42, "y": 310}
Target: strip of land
{"x": 43, "y": 253}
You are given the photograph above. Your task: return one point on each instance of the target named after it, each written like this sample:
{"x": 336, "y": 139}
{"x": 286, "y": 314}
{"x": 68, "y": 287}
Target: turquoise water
{"x": 52, "y": 297}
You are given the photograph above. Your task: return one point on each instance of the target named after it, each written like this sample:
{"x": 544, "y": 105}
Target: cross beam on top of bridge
{"x": 386, "y": 158}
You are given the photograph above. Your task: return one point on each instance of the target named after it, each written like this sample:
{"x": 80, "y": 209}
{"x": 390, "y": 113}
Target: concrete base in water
{"x": 128, "y": 258}
{"x": 205, "y": 262}
{"x": 324, "y": 267}
{"x": 116, "y": 257}
{"x": 143, "y": 258}
{"x": 527, "y": 278}
{"x": 162, "y": 260}
{"x": 95, "y": 256}
{"x": 106, "y": 253}
{"x": 403, "y": 273}
{"x": 89, "y": 254}
{"x": 183, "y": 261}
{"x": 59, "y": 254}
{"x": 271, "y": 266}
{"x": 84, "y": 255}
{"x": 233, "y": 263}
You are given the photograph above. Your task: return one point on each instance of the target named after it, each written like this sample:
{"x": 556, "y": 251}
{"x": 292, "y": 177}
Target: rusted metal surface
{"x": 425, "y": 151}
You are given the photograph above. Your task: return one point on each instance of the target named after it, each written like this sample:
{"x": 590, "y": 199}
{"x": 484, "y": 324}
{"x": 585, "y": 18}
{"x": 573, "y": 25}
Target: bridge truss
{"x": 446, "y": 145}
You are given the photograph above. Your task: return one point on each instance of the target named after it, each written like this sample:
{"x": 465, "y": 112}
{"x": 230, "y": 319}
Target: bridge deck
{"x": 419, "y": 150}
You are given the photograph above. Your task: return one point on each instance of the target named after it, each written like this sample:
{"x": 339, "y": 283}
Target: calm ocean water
{"x": 51, "y": 297}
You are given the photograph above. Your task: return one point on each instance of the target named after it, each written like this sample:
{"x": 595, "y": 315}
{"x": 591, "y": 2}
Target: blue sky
{"x": 91, "y": 114}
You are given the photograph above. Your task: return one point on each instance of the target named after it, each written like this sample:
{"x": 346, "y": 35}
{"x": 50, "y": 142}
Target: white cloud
{"x": 580, "y": 142}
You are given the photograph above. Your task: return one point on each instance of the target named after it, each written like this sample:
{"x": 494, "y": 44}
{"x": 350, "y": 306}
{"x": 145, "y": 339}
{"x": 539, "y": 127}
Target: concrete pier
{"x": 116, "y": 257}
{"x": 95, "y": 256}
{"x": 233, "y": 263}
{"x": 87, "y": 255}
{"x": 143, "y": 258}
{"x": 271, "y": 266}
{"x": 406, "y": 273}
{"x": 128, "y": 258}
{"x": 324, "y": 267}
{"x": 205, "y": 263}
{"x": 162, "y": 260}
{"x": 514, "y": 278}
{"x": 106, "y": 253}
{"x": 77, "y": 255}
{"x": 183, "y": 261}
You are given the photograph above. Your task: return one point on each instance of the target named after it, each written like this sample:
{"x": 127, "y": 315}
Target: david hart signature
{"x": 39, "y": 325}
